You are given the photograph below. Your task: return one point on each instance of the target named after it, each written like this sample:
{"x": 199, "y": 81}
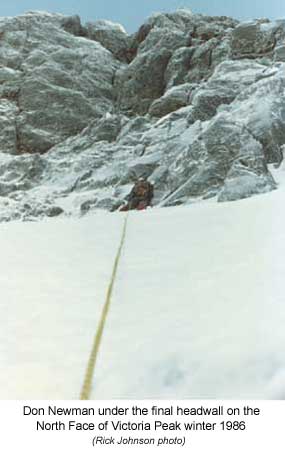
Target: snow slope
{"x": 53, "y": 279}
{"x": 198, "y": 308}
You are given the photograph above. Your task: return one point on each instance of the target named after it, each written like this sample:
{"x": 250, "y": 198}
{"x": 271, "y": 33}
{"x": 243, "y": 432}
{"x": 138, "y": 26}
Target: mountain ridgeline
{"x": 194, "y": 103}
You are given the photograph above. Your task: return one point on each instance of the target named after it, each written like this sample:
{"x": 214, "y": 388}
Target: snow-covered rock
{"x": 178, "y": 67}
{"x": 112, "y": 36}
{"x": 195, "y": 103}
{"x": 73, "y": 25}
{"x": 229, "y": 79}
{"x": 252, "y": 39}
{"x": 279, "y": 53}
{"x": 57, "y": 81}
{"x": 173, "y": 99}
{"x": 142, "y": 81}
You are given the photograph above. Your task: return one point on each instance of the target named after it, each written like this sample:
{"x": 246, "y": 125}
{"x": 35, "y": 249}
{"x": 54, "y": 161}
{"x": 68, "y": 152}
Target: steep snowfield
{"x": 198, "y": 309}
{"x": 53, "y": 278}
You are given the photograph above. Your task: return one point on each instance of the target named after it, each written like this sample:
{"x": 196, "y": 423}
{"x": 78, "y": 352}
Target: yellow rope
{"x": 89, "y": 375}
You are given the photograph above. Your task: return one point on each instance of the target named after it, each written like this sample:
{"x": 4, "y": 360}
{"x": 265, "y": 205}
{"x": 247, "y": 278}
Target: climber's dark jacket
{"x": 141, "y": 195}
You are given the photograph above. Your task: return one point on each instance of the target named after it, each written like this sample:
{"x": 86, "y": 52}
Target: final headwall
{"x": 194, "y": 103}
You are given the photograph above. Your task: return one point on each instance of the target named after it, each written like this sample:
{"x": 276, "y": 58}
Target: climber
{"x": 140, "y": 196}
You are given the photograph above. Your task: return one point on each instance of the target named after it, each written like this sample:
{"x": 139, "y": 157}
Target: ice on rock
{"x": 85, "y": 109}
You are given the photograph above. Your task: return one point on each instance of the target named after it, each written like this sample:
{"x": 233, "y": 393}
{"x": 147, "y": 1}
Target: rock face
{"x": 110, "y": 35}
{"x": 55, "y": 81}
{"x": 173, "y": 99}
{"x": 194, "y": 103}
{"x": 253, "y": 39}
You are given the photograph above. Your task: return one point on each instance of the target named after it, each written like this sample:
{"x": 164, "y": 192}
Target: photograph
{"x": 142, "y": 198}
